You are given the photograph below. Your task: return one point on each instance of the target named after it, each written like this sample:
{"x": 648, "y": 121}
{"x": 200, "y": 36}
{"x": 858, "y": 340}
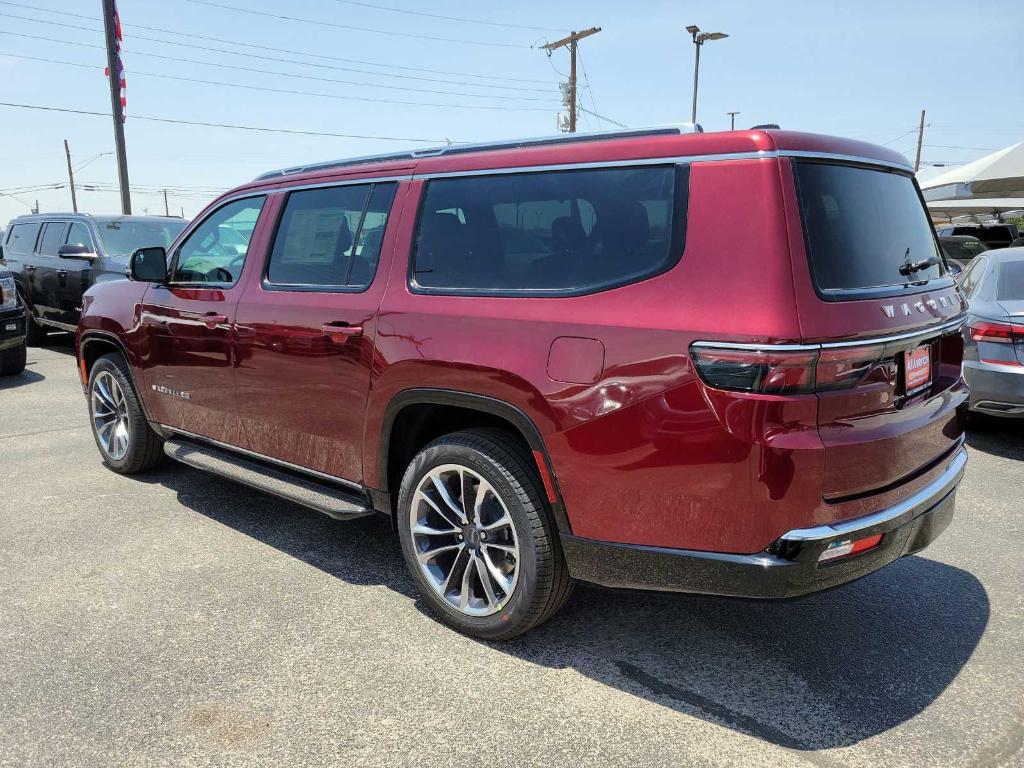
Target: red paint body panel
{"x": 641, "y": 449}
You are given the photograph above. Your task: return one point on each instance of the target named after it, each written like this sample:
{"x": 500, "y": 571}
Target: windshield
{"x": 864, "y": 228}
{"x": 963, "y": 250}
{"x": 123, "y": 237}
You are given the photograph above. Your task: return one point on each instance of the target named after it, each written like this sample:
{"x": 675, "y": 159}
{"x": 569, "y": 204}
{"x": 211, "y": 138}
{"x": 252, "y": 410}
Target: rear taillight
{"x": 1000, "y": 333}
{"x": 781, "y": 372}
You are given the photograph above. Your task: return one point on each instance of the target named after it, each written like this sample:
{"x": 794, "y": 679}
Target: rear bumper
{"x": 995, "y": 389}
{"x": 789, "y": 567}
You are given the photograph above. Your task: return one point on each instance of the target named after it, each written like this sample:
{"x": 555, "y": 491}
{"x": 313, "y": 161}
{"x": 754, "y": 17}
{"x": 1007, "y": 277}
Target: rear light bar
{"x": 781, "y": 372}
{"x": 999, "y": 333}
{"x": 850, "y": 547}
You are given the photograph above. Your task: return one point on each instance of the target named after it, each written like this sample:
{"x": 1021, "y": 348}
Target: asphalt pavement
{"x": 178, "y": 619}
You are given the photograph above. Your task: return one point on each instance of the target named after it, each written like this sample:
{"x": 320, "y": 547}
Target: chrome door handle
{"x": 339, "y": 334}
{"x": 211, "y": 320}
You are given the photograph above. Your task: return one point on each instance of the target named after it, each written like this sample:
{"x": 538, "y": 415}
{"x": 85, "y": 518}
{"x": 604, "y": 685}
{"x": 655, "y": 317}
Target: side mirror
{"x": 76, "y": 251}
{"x": 149, "y": 265}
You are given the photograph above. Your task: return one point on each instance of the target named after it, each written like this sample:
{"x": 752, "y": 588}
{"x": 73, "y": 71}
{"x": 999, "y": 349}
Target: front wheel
{"x": 12, "y": 361}
{"x": 126, "y": 441}
{"x": 477, "y": 538}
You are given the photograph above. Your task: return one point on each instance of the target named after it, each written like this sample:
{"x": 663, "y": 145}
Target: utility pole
{"x": 71, "y": 177}
{"x": 167, "y": 210}
{"x": 570, "y": 42}
{"x": 115, "y": 105}
{"x": 920, "y": 141}
{"x": 36, "y": 209}
{"x": 732, "y": 120}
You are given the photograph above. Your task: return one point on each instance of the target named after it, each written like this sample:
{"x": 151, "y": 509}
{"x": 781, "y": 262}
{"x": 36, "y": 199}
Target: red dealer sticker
{"x": 918, "y": 369}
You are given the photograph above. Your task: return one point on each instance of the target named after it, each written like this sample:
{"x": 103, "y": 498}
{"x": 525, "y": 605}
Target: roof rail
{"x": 458, "y": 149}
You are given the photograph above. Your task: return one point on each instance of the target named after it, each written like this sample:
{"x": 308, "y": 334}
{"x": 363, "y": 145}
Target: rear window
{"x": 21, "y": 240}
{"x": 964, "y": 250}
{"x": 861, "y": 226}
{"x": 1010, "y": 283}
{"x": 550, "y": 232}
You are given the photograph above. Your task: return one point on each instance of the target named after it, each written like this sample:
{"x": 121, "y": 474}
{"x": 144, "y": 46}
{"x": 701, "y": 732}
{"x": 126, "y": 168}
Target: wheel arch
{"x": 92, "y": 345}
{"x": 492, "y": 412}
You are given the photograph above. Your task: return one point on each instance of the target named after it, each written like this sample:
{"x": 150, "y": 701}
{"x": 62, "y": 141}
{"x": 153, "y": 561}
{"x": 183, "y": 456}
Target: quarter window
{"x": 215, "y": 251}
{"x": 550, "y": 232}
{"x": 331, "y": 237}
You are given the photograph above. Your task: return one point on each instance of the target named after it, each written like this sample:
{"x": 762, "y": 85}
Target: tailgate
{"x": 873, "y": 290}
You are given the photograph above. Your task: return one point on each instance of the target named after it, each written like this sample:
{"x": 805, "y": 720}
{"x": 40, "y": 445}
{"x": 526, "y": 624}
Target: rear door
{"x": 307, "y": 326}
{"x": 188, "y": 337}
{"x": 46, "y": 281}
{"x": 19, "y": 253}
{"x": 873, "y": 289}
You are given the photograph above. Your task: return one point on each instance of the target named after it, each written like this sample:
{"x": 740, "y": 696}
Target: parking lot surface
{"x": 178, "y": 619}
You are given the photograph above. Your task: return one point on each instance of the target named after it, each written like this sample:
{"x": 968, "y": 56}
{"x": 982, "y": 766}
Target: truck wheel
{"x": 477, "y": 537}
{"x": 35, "y": 334}
{"x": 124, "y": 437}
{"x": 12, "y": 361}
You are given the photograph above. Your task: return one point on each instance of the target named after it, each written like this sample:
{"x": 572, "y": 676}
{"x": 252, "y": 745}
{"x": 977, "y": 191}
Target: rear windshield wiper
{"x": 910, "y": 267}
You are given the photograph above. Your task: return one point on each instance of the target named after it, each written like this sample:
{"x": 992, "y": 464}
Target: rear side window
{"x": 331, "y": 237}
{"x": 21, "y": 240}
{"x": 53, "y": 237}
{"x": 861, "y": 226}
{"x": 549, "y": 232}
{"x": 1010, "y": 283}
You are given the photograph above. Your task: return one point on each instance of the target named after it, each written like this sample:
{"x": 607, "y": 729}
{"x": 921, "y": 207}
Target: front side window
{"x": 550, "y": 232}
{"x": 78, "y": 234}
{"x": 864, "y": 229}
{"x": 22, "y": 239}
{"x": 215, "y": 250}
{"x": 330, "y": 237}
{"x": 52, "y": 238}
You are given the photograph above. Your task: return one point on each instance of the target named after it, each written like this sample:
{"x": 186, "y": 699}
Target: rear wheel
{"x": 12, "y": 361}
{"x": 124, "y": 437}
{"x": 477, "y": 537}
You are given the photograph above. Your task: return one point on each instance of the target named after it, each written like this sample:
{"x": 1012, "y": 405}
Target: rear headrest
{"x": 567, "y": 234}
{"x": 344, "y": 239}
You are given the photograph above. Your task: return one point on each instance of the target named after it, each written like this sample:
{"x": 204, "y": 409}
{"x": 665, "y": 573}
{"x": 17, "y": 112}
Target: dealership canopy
{"x": 982, "y": 208}
{"x": 1000, "y": 174}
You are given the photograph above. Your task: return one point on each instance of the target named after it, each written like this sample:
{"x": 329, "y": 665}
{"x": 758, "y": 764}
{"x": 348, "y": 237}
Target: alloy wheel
{"x": 110, "y": 419}
{"x": 464, "y": 540}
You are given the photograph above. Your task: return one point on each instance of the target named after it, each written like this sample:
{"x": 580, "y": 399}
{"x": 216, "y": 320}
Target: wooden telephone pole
{"x": 920, "y": 141}
{"x": 71, "y": 177}
{"x": 570, "y": 42}
{"x": 115, "y": 105}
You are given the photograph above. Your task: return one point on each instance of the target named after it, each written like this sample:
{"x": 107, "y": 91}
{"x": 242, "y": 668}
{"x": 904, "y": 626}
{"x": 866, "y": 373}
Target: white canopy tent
{"x": 983, "y": 208}
{"x": 999, "y": 175}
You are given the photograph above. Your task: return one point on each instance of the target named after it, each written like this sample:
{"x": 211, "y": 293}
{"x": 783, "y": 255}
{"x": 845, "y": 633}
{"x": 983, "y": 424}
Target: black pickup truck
{"x": 56, "y": 257}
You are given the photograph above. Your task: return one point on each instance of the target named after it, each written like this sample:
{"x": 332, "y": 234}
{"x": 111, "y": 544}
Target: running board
{"x": 332, "y": 501}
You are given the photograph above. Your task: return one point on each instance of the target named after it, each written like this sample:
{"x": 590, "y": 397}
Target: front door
{"x": 306, "y": 328}
{"x": 73, "y": 276}
{"x": 188, "y": 351}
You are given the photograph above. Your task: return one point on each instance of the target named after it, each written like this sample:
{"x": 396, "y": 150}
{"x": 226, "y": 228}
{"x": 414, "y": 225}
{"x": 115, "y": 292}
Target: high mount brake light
{"x": 781, "y": 372}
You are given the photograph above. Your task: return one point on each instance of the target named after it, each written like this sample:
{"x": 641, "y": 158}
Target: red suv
{"x": 725, "y": 363}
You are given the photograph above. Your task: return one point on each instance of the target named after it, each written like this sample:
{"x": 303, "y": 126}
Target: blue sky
{"x": 861, "y": 69}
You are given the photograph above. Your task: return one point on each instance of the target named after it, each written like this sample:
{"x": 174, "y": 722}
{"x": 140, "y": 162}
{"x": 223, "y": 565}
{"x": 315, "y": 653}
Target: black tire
{"x": 543, "y": 584}
{"x": 145, "y": 447}
{"x": 35, "y": 334}
{"x": 12, "y": 361}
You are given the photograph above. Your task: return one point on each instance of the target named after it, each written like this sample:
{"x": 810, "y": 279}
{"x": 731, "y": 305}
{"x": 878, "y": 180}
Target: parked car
{"x": 961, "y": 248}
{"x": 56, "y": 257}
{"x": 994, "y": 333}
{"x": 994, "y": 234}
{"x": 724, "y": 363}
{"x": 12, "y": 327}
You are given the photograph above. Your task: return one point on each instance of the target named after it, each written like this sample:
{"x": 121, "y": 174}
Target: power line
{"x": 974, "y": 149}
{"x": 322, "y": 23}
{"x": 286, "y": 91}
{"x": 277, "y": 73}
{"x": 446, "y": 18}
{"x": 224, "y": 125}
{"x": 278, "y": 50}
{"x": 208, "y": 49}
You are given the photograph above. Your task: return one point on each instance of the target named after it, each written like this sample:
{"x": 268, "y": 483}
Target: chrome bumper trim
{"x": 933, "y": 492}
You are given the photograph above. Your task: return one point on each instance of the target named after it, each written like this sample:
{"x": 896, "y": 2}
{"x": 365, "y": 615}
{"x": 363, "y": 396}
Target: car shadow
{"x": 997, "y": 436}
{"x": 825, "y": 671}
{"x": 28, "y": 376}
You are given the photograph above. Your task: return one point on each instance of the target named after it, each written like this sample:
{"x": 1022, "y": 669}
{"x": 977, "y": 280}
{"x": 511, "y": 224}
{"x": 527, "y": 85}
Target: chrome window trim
{"x": 940, "y": 486}
{"x": 268, "y": 459}
{"x": 337, "y": 183}
{"x": 929, "y": 331}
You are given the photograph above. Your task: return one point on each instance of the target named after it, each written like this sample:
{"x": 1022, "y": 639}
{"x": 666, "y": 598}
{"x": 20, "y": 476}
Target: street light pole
{"x": 699, "y": 38}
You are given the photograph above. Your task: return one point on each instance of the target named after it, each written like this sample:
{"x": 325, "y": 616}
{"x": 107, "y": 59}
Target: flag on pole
{"x": 120, "y": 64}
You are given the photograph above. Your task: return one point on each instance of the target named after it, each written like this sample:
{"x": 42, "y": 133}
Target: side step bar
{"x": 332, "y": 501}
